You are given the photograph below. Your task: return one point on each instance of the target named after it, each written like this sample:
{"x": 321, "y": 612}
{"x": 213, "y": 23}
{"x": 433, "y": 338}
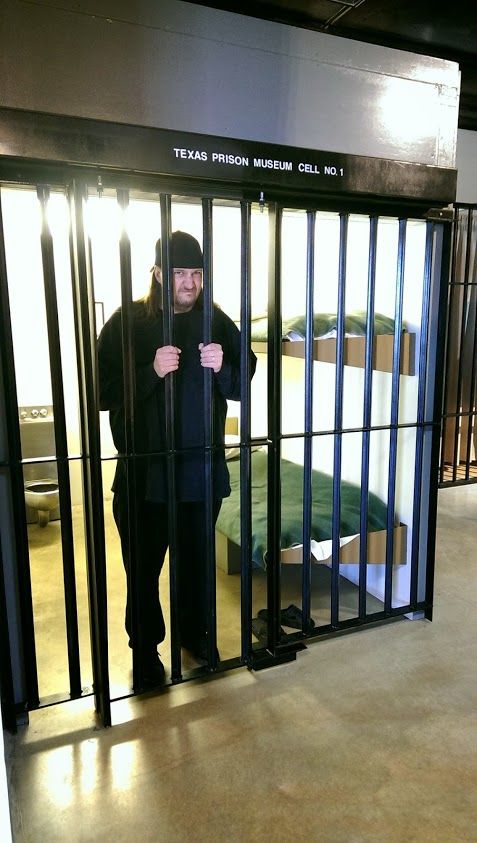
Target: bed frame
{"x": 354, "y": 351}
{"x": 228, "y": 553}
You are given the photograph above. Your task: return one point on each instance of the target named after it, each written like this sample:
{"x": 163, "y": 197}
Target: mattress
{"x": 228, "y": 521}
{"x": 325, "y": 326}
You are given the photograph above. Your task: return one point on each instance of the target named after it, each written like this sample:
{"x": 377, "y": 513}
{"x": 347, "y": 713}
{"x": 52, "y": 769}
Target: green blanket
{"x": 324, "y": 323}
{"x": 228, "y": 522}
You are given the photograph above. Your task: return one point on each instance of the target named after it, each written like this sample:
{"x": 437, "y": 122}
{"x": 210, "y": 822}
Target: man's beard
{"x": 185, "y": 299}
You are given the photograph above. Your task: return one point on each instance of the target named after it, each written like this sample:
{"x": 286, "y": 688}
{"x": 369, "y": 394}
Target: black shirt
{"x": 149, "y": 405}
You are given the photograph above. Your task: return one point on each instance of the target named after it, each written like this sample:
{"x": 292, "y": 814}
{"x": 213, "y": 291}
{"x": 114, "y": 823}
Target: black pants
{"x": 152, "y": 535}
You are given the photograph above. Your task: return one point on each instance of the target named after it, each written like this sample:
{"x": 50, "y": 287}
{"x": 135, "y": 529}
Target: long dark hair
{"x": 153, "y": 299}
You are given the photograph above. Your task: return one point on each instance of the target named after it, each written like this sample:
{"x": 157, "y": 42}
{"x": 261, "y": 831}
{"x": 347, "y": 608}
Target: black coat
{"x": 149, "y": 405}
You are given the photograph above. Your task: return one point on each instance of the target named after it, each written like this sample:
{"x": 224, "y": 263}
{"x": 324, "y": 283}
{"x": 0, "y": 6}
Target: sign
{"x": 251, "y": 166}
{"x": 247, "y": 164}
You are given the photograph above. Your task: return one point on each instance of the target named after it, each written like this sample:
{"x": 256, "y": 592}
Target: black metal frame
{"x": 165, "y": 201}
{"x": 457, "y": 471}
{"x": 367, "y": 407}
{"x": 393, "y": 432}
{"x": 7, "y": 694}
{"x": 85, "y": 332}
{"x": 44, "y": 175}
{"x": 138, "y": 149}
{"x": 53, "y": 329}
{"x": 308, "y": 420}
{"x": 129, "y": 431}
{"x": 14, "y": 468}
{"x": 442, "y": 257}
{"x": 207, "y": 228}
{"x": 338, "y": 425}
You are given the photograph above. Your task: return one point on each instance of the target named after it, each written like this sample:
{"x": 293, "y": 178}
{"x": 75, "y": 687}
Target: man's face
{"x": 187, "y": 286}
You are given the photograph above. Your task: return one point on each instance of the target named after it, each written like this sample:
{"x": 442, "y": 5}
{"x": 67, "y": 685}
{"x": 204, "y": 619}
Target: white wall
{"x": 466, "y": 166}
{"x": 180, "y": 66}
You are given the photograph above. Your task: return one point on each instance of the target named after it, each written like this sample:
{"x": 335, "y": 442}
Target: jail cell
{"x": 458, "y": 462}
{"x": 351, "y": 447}
{"x": 329, "y": 525}
{"x": 44, "y": 356}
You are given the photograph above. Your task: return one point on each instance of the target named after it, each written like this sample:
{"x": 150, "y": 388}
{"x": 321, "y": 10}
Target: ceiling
{"x": 432, "y": 27}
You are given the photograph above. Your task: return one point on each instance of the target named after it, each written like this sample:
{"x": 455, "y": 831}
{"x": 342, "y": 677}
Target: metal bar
{"x": 449, "y": 343}
{"x": 449, "y": 483}
{"x": 421, "y": 408}
{"x": 442, "y": 252}
{"x": 245, "y": 451}
{"x": 316, "y": 433}
{"x": 208, "y": 439}
{"x": 461, "y": 284}
{"x": 129, "y": 378}
{"x": 367, "y": 410}
{"x": 473, "y": 370}
{"x": 170, "y": 406}
{"x": 83, "y": 268}
{"x": 470, "y": 432}
{"x": 393, "y": 432}
{"x": 461, "y": 344}
{"x": 352, "y": 4}
{"x": 17, "y": 483}
{"x": 308, "y": 421}
{"x": 255, "y": 440}
{"x": 83, "y": 300}
{"x": 338, "y": 422}
{"x": 274, "y": 427}
{"x": 59, "y": 418}
{"x": 372, "y": 620}
{"x": 6, "y": 675}
{"x": 343, "y": 11}
{"x": 465, "y": 415}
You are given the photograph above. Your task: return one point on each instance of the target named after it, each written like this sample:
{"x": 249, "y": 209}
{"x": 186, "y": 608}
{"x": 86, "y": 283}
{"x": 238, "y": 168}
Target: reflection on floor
{"x": 365, "y": 738}
{"x": 48, "y": 603}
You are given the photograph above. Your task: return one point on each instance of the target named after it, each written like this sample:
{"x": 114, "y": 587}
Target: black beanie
{"x": 185, "y": 251}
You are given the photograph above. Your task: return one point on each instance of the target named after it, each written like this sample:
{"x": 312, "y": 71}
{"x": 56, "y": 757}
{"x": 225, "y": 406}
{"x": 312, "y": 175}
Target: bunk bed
{"x": 228, "y": 523}
{"x": 354, "y": 346}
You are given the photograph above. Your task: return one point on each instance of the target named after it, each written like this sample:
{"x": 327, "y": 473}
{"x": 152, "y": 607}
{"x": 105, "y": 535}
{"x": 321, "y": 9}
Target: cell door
{"x": 355, "y": 333}
{"x": 52, "y": 526}
{"x": 459, "y": 434}
{"x": 330, "y": 446}
{"x": 90, "y": 251}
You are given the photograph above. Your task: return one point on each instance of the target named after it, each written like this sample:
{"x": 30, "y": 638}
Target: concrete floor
{"x": 49, "y": 615}
{"x": 365, "y": 737}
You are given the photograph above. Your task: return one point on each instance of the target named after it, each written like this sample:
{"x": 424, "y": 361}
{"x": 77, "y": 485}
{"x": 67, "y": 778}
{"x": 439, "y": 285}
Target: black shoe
{"x": 260, "y": 630}
{"x": 198, "y": 651}
{"x": 153, "y": 673}
{"x": 292, "y": 617}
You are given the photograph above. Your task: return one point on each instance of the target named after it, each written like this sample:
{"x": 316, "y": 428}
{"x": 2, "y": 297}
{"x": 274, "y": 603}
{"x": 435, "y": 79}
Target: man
{"x": 154, "y": 361}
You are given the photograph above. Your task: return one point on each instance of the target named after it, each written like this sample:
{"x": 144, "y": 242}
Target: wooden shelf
{"x": 324, "y": 351}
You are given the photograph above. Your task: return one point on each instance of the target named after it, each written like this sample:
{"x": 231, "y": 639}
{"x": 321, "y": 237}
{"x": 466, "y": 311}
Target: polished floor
{"x": 365, "y": 737}
{"x": 45, "y": 551}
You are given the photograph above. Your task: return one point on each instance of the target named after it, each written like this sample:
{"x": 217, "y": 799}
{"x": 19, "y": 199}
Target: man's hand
{"x": 211, "y": 356}
{"x": 166, "y": 360}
